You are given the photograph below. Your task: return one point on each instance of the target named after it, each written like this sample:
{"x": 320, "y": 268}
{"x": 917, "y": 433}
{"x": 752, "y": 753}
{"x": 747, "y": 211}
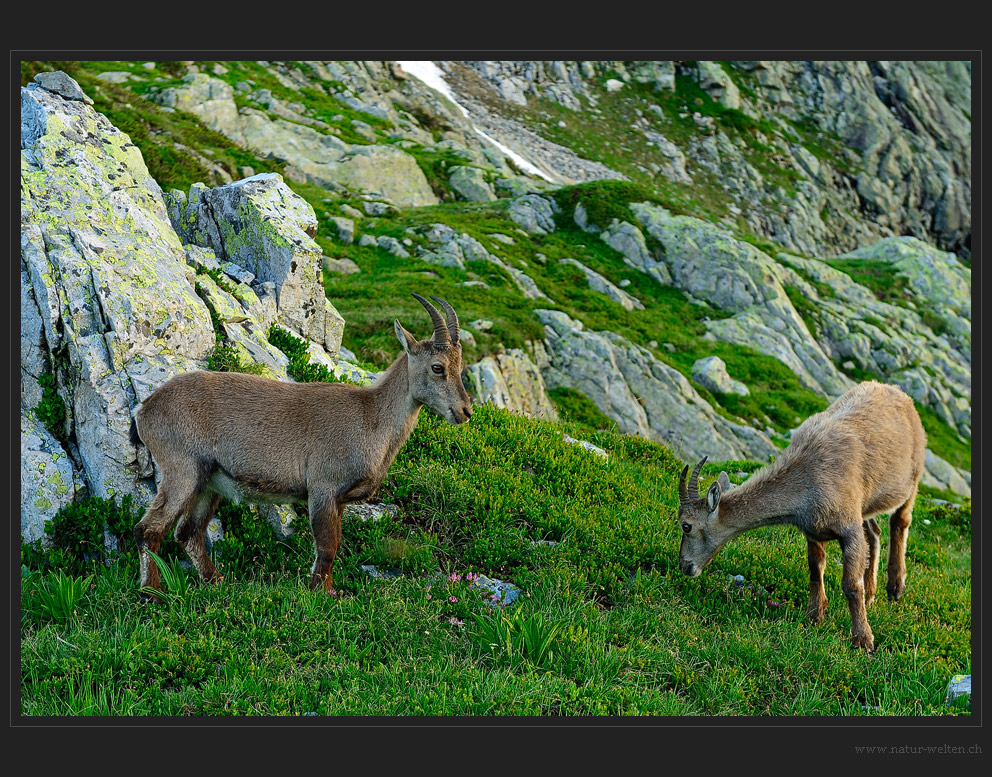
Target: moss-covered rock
{"x": 511, "y": 380}
{"x": 108, "y": 274}
{"x": 47, "y": 479}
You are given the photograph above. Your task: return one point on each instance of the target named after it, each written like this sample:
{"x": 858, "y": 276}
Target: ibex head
{"x": 702, "y": 533}
{"x": 435, "y": 365}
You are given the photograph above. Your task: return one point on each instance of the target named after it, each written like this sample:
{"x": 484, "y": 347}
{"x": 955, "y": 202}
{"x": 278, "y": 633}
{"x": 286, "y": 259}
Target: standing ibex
{"x": 255, "y": 439}
{"x": 861, "y": 456}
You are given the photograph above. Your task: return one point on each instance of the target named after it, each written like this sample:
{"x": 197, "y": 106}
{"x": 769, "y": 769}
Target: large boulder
{"x": 534, "y": 213}
{"x": 730, "y": 274}
{"x": 261, "y": 225}
{"x": 108, "y": 274}
{"x": 387, "y": 170}
{"x": 511, "y": 380}
{"x": 471, "y": 184}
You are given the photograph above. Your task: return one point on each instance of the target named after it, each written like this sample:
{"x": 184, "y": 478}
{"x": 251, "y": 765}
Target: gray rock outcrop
{"x": 642, "y": 394}
{"x": 512, "y": 381}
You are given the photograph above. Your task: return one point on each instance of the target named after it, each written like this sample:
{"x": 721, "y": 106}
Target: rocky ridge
{"x": 109, "y": 305}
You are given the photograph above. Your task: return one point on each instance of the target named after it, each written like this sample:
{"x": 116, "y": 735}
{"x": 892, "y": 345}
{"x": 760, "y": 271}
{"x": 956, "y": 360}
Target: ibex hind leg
{"x": 176, "y": 496}
{"x": 816, "y": 554}
{"x": 873, "y": 535}
{"x": 192, "y": 533}
{"x": 325, "y": 520}
{"x": 898, "y": 534}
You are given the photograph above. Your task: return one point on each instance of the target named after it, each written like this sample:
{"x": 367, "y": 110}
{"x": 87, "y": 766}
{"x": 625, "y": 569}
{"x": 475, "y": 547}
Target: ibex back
{"x": 255, "y": 439}
{"x": 861, "y": 456}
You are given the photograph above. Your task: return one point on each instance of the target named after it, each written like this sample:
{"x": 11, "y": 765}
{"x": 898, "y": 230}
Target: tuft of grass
{"x": 59, "y": 594}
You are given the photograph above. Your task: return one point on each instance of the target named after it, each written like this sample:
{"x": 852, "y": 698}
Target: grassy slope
{"x": 473, "y": 497}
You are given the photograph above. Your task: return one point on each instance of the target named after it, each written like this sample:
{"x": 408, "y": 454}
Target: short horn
{"x": 694, "y": 480}
{"x": 441, "y": 336}
{"x": 683, "y": 494}
{"x": 449, "y": 313}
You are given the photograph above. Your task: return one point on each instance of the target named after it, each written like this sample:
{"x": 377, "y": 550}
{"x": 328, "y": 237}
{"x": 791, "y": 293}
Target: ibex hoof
{"x": 816, "y": 614}
{"x": 896, "y": 592}
{"x": 863, "y": 642}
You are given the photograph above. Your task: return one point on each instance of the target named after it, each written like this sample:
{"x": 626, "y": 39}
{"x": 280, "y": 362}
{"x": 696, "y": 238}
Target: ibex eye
{"x": 437, "y": 368}
{"x": 687, "y": 527}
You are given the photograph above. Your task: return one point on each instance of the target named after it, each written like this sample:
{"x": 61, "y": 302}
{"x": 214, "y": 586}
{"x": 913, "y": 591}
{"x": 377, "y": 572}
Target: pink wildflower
{"x": 452, "y": 599}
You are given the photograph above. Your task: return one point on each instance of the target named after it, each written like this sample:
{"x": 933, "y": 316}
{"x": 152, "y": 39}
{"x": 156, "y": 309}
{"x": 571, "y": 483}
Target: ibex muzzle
{"x": 861, "y": 456}
{"x": 253, "y": 439}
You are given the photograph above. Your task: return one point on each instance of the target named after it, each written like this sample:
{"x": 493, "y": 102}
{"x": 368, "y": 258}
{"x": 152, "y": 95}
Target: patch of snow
{"x": 433, "y": 76}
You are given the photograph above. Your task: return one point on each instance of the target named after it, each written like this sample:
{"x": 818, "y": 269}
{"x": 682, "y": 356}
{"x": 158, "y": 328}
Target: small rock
{"x": 503, "y": 592}
{"x": 612, "y": 85}
{"x": 245, "y": 171}
{"x": 848, "y": 365}
{"x": 149, "y": 66}
{"x": 588, "y": 446}
{"x": 959, "y": 690}
{"x": 379, "y": 209}
{"x": 343, "y": 266}
{"x": 345, "y": 228}
{"x": 668, "y": 347}
{"x": 470, "y": 284}
{"x": 480, "y": 324}
{"x": 652, "y": 343}
{"x": 711, "y": 372}
{"x": 368, "y": 512}
{"x": 351, "y": 212}
{"x": 625, "y": 283}
{"x": 61, "y": 84}
{"x": 371, "y": 571}
{"x": 926, "y": 521}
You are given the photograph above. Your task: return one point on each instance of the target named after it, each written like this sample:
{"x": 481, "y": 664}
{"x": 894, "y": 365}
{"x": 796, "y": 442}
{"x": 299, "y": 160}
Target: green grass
{"x": 606, "y": 624}
{"x": 880, "y": 277}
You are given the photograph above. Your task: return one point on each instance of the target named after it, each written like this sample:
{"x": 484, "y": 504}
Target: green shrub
{"x": 51, "y": 410}
{"x": 77, "y": 532}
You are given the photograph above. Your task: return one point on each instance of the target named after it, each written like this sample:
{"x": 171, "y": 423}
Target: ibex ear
{"x": 407, "y": 340}
{"x": 724, "y": 482}
{"x": 713, "y": 495}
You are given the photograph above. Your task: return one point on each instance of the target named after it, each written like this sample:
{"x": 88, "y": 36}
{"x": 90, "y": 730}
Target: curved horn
{"x": 449, "y": 313}
{"x": 683, "y": 494}
{"x": 694, "y": 480}
{"x": 441, "y": 336}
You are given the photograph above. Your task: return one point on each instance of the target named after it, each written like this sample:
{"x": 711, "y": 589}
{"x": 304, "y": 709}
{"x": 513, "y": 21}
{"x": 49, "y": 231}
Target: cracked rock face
{"x": 512, "y": 381}
{"x": 108, "y": 275}
{"x": 642, "y": 394}
{"x": 261, "y": 225}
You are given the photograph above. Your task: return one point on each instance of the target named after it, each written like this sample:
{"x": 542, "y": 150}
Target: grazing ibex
{"x": 254, "y": 439}
{"x": 861, "y": 456}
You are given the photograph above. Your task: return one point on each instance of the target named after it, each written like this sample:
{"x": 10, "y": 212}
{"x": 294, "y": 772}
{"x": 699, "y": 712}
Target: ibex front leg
{"x": 855, "y": 549}
{"x": 325, "y": 521}
{"x": 816, "y": 553}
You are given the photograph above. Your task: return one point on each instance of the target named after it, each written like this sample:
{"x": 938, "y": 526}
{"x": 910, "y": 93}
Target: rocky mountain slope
{"x": 700, "y": 253}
